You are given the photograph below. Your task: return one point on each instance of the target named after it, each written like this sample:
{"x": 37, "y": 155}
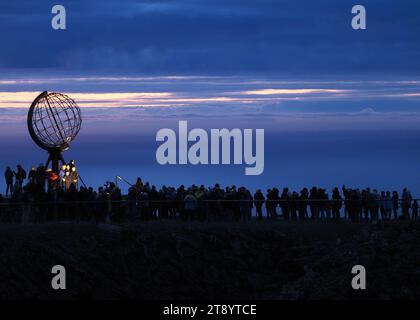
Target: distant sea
{"x": 379, "y": 150}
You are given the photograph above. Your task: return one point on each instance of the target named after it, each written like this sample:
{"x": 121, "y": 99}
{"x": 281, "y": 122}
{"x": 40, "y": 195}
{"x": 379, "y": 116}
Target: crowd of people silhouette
{"x": 42, "y": 195}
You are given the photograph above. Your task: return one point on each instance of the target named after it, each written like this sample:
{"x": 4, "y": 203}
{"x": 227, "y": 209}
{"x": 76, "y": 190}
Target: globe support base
{"x": 55, "y": 158}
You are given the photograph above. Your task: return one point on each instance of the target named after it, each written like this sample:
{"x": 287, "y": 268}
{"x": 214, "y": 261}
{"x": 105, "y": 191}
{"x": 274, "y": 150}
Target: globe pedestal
{"x": 55, "y": 157}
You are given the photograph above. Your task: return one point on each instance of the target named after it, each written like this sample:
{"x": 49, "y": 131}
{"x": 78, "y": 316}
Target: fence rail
{"x": 202, "y": 209}
{"x": 308, "y": 201}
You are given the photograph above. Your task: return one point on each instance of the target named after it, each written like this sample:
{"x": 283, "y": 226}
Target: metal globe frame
{"x": 59, "y": 132}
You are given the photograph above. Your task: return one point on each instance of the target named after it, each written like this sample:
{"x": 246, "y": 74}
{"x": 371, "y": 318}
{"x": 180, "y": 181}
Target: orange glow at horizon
{"x": 24, "y": 99}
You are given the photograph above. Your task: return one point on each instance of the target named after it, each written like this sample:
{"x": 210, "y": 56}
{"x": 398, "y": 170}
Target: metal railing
{"x": 129, "y": 210}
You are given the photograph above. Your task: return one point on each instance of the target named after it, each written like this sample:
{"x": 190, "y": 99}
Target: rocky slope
{"x": 174, "y": 260}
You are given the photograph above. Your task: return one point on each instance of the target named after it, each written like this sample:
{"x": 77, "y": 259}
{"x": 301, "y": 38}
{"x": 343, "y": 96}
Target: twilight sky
{"x": 338, "y": 105}
{"x": 211, "y": 37}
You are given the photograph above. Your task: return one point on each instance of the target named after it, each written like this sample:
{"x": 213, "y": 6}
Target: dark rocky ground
{"x": 173, "y": 260}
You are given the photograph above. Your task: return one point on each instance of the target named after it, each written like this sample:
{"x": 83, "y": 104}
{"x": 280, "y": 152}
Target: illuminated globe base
{"x": 55, "y": 157}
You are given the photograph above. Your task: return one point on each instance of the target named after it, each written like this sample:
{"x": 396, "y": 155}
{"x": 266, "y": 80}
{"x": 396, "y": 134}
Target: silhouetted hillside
{"x": 172, "y": 260}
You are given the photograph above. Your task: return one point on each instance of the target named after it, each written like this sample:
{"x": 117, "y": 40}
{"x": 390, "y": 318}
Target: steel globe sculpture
{"x": 54, "y": 120}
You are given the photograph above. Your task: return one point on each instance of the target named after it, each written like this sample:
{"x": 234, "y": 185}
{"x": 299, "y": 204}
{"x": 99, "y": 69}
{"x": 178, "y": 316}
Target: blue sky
{"x": 214, "y": 53}
{"x": 222, "y": 37}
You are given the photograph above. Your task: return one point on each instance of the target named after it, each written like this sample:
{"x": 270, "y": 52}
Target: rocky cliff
{"x": 174, "y": 260}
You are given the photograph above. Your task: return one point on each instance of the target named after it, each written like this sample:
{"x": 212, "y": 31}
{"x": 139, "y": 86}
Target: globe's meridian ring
{"x": 30, "y": 122}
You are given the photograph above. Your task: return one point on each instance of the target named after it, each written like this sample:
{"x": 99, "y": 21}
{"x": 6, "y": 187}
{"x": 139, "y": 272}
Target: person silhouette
{"x": 8, "y": 175}
{"x": 293, "y": 205}
{"x": 323, "y": 204}
{"x": 269, "y": 203}
{"x": 32, "y": 175}
{"x": 259, "y": 201}
{"x": 285, "y": 203}
{"x": 388, "y": 205}
{"x": 62, "y": 175}
{"x": 74, "y": 177}
{"x": 303, "y": 204}
{"x": 337, "y": 203}
{"x": 20, "y": 175}
{"x": 139, "y": 184}
{"x": 395, "y": 204}
{"x": 376, "y": 202}
{"x": 366, "y": 198}
{"x": 382, "y": 205}
{"x": 415, "y": 210}
{"x": 405, "y": 203}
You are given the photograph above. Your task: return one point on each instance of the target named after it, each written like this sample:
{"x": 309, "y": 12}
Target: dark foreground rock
{"x": 172, "y": 260}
